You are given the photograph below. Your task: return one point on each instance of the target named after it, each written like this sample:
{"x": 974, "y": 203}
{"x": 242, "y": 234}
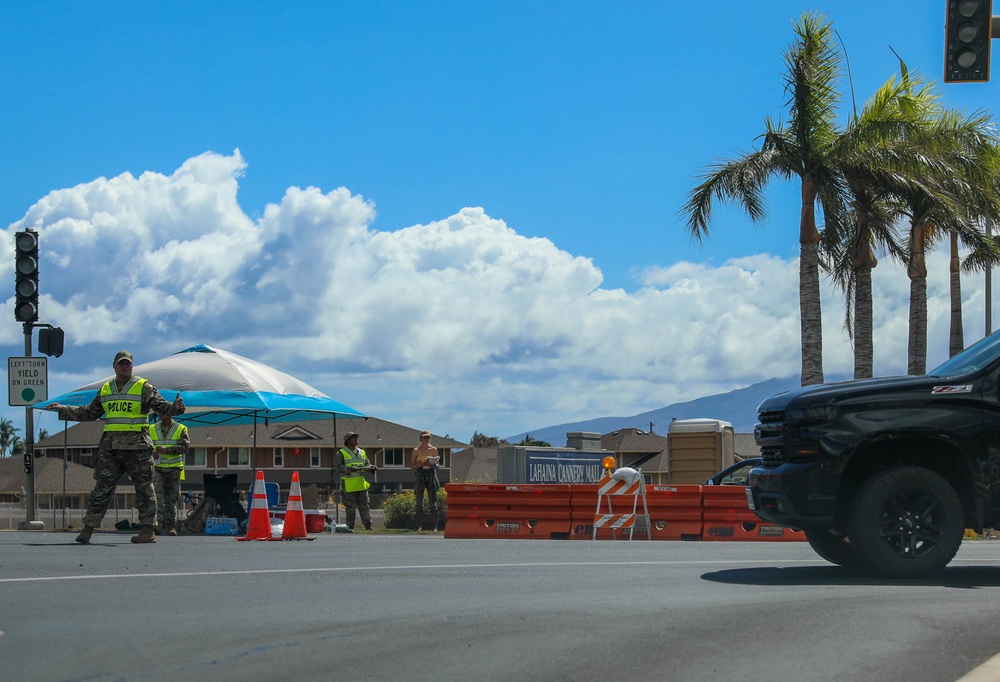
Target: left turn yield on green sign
{"x": 27, "y": 380}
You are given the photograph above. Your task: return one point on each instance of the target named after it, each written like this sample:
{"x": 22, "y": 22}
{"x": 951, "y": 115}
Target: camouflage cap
{"x": 122, "y": 355}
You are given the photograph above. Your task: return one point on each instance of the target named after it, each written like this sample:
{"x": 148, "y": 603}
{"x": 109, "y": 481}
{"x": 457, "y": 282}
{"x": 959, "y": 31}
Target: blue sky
{"x": 457, "y": 216}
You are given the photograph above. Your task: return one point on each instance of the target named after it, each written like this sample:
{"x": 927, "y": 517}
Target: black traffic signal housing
{"x": 50, "y": 341}
{"x": 967, "y": 41}
{"x": 26, "y": 276}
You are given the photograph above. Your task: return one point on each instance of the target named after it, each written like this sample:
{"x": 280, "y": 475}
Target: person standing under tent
{"x": 352, "y": 465}
{"x": 170, "y": 443}
{"x": 424, "y": 463}
{"x": 124, "y": 401}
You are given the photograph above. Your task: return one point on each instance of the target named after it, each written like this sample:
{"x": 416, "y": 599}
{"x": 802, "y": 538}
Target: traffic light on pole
{"x": 967, "y": 41}
{"x": 50, "y": 341}
{"x": 26, "y": 276}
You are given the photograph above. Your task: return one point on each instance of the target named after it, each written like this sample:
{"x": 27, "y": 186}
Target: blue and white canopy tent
{"x": 222, "y": 388}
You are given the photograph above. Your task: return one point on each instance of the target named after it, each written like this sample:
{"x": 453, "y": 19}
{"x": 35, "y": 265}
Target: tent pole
{"x": 334, "y": 479}
{"x": 254, "y": 454}
{"x": 65, "y": 466}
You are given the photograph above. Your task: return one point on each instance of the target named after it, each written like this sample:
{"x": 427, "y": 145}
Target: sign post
{"x": 27, "y": 384}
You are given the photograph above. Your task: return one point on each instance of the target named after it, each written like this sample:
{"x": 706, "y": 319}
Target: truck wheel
{"x": 833, "y": 548}
{"x": 906, "y": 523}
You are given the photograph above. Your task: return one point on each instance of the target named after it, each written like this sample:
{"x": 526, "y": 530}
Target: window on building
{"x": 279, "y": 457}
{"x": 239, "y": 457}
{"x": 196, "y": 457}
{"x": 314, "y": 459}
{"x": 394, "y": 457}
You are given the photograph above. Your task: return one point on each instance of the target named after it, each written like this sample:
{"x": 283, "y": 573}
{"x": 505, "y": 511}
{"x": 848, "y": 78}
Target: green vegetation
{"x": 400, "y": 510}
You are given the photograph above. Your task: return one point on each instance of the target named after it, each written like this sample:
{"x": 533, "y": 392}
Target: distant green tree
{"x": 17, "y": 447}
{"x": 480, "y": 440}
{"x": 8, "y": 434}
{"x": 529, "y": 441}
{"x": 43, "y": 434}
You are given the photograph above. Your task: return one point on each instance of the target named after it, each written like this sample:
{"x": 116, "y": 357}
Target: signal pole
{"x": 29, "y": 523}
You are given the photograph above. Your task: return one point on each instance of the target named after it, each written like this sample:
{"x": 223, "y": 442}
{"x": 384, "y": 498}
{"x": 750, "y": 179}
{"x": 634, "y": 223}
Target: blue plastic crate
{"x": 219, "y": 525}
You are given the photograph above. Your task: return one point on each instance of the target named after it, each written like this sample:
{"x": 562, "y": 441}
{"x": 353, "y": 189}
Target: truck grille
{"x": 769, "y": 434}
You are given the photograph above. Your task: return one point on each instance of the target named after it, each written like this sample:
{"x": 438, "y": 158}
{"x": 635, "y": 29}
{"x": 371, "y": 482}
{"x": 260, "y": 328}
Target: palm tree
{"x": 979, "y": 259}
{"x": 801, "y": 148}
{"x": 950, "y": 204}
{"x": 881, "y": 156}
{"x": 8, "y": 432}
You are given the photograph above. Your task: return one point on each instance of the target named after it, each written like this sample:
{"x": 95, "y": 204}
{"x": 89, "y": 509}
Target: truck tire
{"x": 833, "y": 548}
{"x": 906, "y": 522}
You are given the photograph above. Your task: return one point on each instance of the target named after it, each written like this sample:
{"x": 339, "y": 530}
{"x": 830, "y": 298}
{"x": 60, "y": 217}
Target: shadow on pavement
{"x": 961, "y": 577}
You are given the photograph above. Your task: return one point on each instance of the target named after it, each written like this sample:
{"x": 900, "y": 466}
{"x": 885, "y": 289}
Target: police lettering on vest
{"x": 123, "y": 408}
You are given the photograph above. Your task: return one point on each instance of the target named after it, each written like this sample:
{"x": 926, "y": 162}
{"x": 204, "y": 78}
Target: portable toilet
{"x": 697, "y": 449}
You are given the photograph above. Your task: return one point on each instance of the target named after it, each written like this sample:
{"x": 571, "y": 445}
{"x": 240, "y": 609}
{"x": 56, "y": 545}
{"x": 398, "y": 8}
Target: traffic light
{"x": 967, "y": 41}
{"x": 26, "y": 276}
{"x": 50, "y": 341}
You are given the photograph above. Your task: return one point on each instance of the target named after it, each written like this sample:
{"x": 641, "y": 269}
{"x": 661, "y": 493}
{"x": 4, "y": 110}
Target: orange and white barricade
{"x": 625, "y": 482}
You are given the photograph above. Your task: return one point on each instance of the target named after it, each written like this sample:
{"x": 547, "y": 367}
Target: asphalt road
{"x": 377, "y": 607}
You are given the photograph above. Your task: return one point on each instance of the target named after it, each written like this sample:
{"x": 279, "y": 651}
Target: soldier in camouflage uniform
{"x": 125, "y": 446}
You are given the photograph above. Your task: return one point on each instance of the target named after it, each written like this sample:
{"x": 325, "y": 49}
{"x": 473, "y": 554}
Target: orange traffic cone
{"x": 295, "y": 515}
{"x": 259, "y": 526}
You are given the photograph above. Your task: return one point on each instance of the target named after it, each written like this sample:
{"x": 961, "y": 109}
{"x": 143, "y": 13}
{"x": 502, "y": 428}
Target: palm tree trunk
{"x": 810, "y": 307}
{"x": 956, "y": 339}
{"x": 863, "y": 348}
{"x": 863, "y": 261}
{"x": 917, "y": 348}
{"x": 810, "y": 315}
{"x": 916, "y": 269}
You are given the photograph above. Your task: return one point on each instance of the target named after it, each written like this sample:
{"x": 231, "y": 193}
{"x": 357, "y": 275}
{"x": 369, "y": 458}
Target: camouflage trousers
{"x": 426, "y": 482}
{"x": 357, "y": 502}
{"x": 167, "y": 484}
{"x": 111, "y": 464}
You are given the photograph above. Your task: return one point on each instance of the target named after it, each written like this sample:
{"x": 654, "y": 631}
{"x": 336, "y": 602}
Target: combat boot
{"x": 85, "y": 534}
{"x": 146, "y": 534}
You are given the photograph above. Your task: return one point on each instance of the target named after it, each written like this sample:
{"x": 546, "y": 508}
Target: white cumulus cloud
{"x": 457, "y": 325}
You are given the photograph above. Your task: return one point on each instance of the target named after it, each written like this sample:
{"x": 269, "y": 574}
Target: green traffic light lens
{"x": 966, "y": 59}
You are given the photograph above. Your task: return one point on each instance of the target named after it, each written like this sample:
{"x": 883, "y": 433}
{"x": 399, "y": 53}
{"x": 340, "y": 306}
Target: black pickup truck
{"x": 885, "y": 474}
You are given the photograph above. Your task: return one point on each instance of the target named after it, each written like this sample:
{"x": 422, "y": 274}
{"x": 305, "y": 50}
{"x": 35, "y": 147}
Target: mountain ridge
{"x": 738, "y": 407}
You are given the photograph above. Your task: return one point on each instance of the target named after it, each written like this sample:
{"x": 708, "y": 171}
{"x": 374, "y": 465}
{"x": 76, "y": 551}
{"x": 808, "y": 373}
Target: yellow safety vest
{"x": 123, "y": 409}
{"x": 168, "y": 440}
{"x": 354, "y": 482}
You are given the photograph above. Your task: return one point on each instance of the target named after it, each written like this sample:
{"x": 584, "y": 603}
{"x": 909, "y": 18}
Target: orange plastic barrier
{"x": 675, "y": 513}
{"x": 727, "y": 517}
{"x": 539, "y": 511}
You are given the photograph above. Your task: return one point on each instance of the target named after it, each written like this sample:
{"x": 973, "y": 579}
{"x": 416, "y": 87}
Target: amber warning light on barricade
{"x": 967, "y": 41}
{"x": 608, "y": 463}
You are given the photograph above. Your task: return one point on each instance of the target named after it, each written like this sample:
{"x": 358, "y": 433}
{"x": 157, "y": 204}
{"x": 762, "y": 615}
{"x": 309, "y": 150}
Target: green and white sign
{"x": 27, "y": 381}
